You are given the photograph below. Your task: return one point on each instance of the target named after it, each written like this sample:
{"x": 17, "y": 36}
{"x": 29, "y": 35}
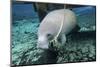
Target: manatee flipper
{"x": 62, "y": 39}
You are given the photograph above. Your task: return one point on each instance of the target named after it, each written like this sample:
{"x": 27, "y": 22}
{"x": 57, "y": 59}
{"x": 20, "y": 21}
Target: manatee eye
{"x": 49, "y": 36}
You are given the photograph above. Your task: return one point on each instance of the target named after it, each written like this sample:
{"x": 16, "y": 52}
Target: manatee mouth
{"x": 42, "y": 46}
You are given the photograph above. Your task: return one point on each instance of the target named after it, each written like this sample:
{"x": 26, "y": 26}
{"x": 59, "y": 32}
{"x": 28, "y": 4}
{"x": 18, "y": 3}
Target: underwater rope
{"x": 54, "y": 41}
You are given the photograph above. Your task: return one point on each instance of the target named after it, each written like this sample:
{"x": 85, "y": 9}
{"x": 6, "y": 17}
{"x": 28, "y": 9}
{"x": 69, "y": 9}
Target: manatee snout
{"x": 43, "y": 43}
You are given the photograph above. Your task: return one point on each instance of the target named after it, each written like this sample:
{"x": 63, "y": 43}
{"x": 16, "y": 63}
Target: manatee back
{"x": 52, "y": 22}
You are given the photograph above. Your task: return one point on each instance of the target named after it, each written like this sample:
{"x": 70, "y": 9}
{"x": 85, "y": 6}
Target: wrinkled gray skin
{"x": 51, "y": 24}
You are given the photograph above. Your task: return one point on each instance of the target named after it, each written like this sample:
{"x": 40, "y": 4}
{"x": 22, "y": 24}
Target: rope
{"x": 62, "y": 22}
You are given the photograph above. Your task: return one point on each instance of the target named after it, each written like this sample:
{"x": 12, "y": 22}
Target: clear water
{"x": 25, "y": 24}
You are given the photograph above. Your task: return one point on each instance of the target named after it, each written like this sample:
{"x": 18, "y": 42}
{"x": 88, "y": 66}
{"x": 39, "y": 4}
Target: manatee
{"x": 51, "y": 24}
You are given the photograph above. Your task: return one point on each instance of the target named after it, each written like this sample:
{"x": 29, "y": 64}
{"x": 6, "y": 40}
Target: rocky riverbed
{"x": 79, "y": 47}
